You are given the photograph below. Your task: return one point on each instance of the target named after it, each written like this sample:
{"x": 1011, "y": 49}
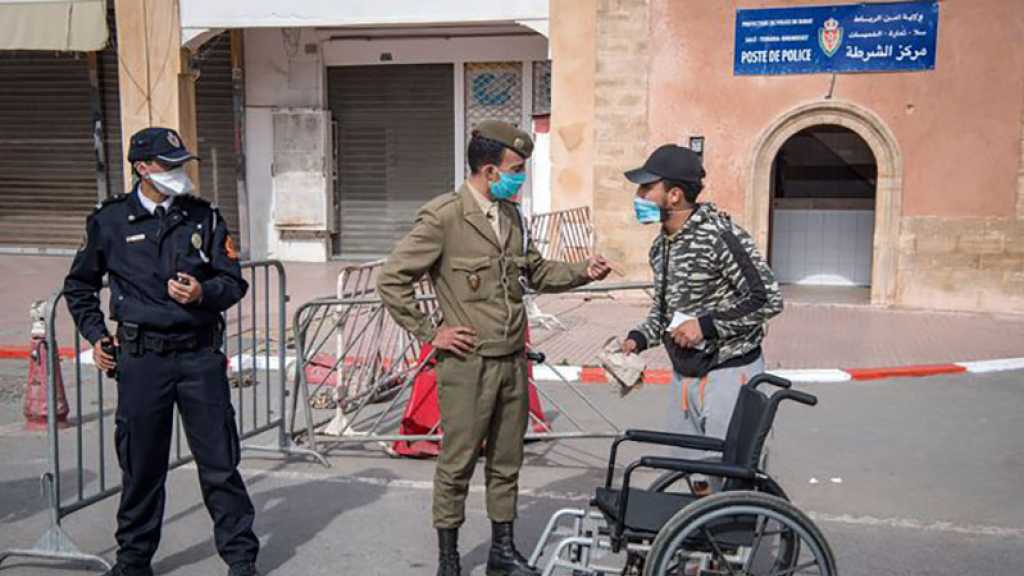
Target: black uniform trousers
{"x": 149, "y": 385}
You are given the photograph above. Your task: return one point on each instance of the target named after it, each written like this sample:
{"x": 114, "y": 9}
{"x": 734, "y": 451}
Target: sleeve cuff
{"x": 95, "y": 335}
{"x": 707, "y": 327}
{"x": 638, "y": 337}
{"x": 426, "y": 331}
{"x": 206, "y": 296}
{"x": 580, "y": 269}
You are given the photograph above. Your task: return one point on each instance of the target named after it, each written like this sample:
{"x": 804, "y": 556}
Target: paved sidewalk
{"x": 808, "y": 334}
{"x": 805, "y": 335}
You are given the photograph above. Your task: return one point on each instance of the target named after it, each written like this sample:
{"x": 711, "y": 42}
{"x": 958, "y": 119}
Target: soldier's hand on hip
{"x": 458, "y": 339}
{"x": 185, "y": 289}
{"x": 104, "y": 361}
{"x": 598, "y": 268}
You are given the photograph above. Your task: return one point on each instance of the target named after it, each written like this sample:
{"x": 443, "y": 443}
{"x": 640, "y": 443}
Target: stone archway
{"x": 889, "y": 192}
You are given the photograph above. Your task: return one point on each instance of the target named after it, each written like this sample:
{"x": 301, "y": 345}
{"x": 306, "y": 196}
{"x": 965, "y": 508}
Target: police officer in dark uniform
{"x": 173, "y": 270}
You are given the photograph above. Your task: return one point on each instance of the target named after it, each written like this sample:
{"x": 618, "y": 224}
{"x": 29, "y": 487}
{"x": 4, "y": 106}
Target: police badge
{"x": 830, "y": 37}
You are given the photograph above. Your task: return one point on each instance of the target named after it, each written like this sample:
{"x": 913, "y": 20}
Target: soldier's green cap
{"x": 506, "y": 134}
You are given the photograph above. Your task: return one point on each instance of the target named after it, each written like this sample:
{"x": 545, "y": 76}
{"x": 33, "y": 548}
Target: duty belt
{"x": 137, "y": 340}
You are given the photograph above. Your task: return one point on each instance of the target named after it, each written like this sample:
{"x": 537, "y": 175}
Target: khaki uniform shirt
{"x": 475, "y": 267}
{"x": 489, "y": 208}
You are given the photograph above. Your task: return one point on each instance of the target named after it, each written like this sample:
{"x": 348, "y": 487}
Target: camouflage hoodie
{"x": 714, "y": 273}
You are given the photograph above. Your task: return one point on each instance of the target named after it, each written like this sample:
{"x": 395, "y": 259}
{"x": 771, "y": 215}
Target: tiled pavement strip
{"x": 807, "y": 335}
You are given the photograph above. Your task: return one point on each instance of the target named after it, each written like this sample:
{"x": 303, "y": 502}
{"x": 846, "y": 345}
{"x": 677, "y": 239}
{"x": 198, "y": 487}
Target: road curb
{"x": 597, "y": 375}
{"x": 25, "y": 352}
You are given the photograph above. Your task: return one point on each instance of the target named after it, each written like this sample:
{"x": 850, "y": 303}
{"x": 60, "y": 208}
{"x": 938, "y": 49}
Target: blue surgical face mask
{"x": 508, "y": 185}
{"x": 647, "y": 212}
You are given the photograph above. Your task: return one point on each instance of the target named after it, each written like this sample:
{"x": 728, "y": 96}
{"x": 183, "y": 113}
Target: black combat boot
{"x": 448, "y": 552}
{"x": 504, "y": 559}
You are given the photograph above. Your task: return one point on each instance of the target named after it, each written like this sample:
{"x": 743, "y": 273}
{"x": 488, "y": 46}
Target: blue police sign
{"x": 847, "y": 38}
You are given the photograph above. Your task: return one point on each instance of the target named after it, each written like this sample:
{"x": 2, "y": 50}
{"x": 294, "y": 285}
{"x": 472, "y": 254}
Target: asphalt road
{"x": 911, "y": 476}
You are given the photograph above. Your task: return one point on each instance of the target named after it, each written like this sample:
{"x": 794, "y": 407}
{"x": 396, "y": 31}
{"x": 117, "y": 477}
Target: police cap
{"x": 161, "y": 144}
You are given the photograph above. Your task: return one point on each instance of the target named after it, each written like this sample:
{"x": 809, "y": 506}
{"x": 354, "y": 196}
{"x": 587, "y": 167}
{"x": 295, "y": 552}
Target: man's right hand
{"x": 629, "y": 346}
{"x": 458, "y": 339}
{"x": 104, "y": 361}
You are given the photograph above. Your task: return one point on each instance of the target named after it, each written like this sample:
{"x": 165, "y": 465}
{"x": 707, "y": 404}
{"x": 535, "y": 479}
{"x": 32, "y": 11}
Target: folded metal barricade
{"x": 374, "y": 368}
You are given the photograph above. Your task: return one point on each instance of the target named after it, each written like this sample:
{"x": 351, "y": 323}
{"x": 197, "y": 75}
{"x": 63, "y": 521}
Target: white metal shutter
{"x": 394, "y": 147}
{"x": 215, "y": 124}
{"x": 47, "y": 159}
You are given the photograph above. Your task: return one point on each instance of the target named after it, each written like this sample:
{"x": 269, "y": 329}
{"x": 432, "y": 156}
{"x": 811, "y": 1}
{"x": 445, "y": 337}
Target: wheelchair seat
{"x": 647, "y": 511}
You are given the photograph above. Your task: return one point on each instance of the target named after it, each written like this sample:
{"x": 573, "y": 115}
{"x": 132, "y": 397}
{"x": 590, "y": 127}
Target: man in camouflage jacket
{"x": 713, "y": 293}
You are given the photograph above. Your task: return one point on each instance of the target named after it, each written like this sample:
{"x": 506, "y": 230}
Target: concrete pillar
{"x": 157, "y": 86}
{"x": 573, "y": 59}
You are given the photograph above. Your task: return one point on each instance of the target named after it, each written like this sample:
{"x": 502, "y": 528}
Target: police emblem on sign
{"x": 172, "y": 139}
{"x": 830, "y": 37}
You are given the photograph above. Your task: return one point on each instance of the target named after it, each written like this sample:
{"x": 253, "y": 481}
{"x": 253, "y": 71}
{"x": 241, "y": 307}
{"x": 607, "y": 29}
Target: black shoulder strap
{"x": 665, "y": 252}
{"x": 524, "y": 230}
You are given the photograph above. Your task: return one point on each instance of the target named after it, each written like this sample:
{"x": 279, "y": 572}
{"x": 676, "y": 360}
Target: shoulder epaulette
{"x": 441, "y": 201}
{"x": 197, "y": 200}
{"x": 115, "y": 199}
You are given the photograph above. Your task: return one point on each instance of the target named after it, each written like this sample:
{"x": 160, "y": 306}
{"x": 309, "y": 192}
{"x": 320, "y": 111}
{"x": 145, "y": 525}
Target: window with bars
{"x": 494, "y": 91}
{"x": 542, "y": 87}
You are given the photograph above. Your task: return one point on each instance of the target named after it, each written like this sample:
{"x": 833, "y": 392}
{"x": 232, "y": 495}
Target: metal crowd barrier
{"x": 566, "y": 235}
{"x": 255, "y": 343}
{"x": 372, "y": 376}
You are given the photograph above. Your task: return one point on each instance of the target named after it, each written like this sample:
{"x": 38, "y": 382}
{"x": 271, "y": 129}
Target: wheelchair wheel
{"x": 742, "y": 534}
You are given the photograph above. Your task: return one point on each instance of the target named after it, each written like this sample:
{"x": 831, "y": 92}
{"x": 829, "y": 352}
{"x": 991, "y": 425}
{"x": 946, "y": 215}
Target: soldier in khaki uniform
{"x": 471, "y": 243}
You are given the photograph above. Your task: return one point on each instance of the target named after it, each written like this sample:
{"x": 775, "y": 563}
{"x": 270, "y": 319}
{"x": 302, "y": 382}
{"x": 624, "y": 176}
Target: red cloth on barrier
{"x": 422, "y": 413}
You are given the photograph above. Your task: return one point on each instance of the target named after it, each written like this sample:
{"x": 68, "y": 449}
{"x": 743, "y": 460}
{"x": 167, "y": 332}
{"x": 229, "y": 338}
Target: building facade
{"x": 907, "y": 182}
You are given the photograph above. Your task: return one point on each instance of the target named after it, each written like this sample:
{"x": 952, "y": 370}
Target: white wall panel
{"x": 824, "y": 247}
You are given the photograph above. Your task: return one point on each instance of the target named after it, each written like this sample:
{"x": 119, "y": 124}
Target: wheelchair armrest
{"x": 765, "y": 378}
{"x": 801, "y": 397}
{"x": 698, "y": 467}
{"x": 663, "y": 439}
{"x": 677, "y": 440}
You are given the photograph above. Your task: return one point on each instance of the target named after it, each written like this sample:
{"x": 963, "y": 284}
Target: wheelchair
{"x": 748, "y": 528}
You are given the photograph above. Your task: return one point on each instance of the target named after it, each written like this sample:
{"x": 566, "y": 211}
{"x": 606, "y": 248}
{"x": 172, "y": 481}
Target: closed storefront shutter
{"x": 215, "y": 124}
{"x": 47, "y": 158}
{"x": 395, "y": 150}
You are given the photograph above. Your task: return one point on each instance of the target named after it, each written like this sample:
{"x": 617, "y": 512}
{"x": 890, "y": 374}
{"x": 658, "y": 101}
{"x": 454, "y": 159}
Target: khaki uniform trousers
{"x": 484, "y": 403}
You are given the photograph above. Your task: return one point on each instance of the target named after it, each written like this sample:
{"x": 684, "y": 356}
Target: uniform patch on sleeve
{"x": 229, "y": 248}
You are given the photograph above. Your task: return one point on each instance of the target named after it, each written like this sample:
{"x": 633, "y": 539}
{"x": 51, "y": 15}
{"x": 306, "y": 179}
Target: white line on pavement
{"x": 993, "y": 365}
{"x": 919, "y": 525}
{"x": 847, "y": 519}
{"x": 548, "y": 372}
{"x": 812, "y": 375}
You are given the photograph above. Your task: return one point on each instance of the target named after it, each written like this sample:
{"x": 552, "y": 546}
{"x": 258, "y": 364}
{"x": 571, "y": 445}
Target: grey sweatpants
{"x": 703, "y": 406}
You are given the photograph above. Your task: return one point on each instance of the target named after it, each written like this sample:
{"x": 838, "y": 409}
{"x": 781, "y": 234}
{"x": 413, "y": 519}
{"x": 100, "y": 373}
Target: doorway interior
{"x": 823, "y": 194}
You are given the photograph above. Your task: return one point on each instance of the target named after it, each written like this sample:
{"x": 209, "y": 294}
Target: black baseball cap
{"x": 161, "y": 144}
{"x": 669, "y": 162}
